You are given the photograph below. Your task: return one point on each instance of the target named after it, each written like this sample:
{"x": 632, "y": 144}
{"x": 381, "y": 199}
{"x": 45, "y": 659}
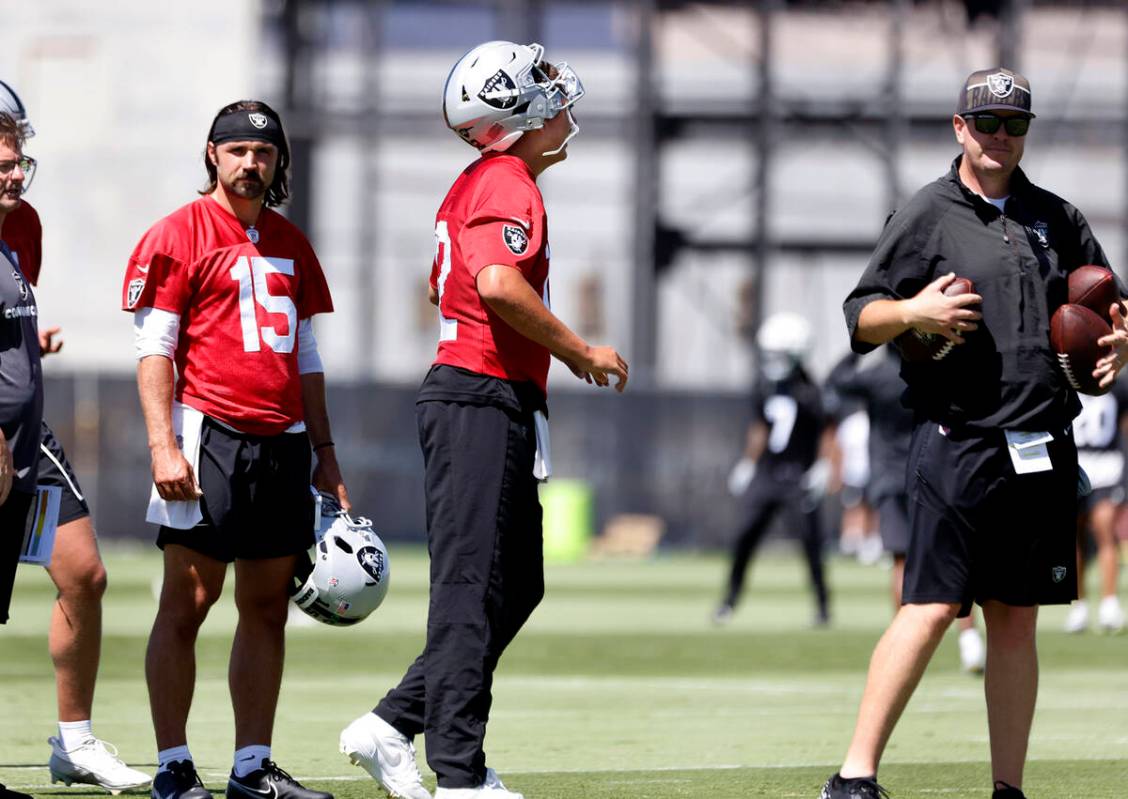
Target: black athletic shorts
{"x": 893, "y": 521}
{"x": 13, "y": 522}
{"x": 980, "y": 531}
{"x": 55, "y": 470}
{"x": 256, "y": 503}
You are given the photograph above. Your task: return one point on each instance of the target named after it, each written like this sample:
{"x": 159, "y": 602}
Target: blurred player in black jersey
{"x": 781, "y": 471}
{"x": 1097, "y": 431}
{"x": 879, "y": 387}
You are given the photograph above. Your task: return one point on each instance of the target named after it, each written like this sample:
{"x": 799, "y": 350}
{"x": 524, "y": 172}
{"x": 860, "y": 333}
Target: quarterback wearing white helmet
{"x": 499, "y": 90}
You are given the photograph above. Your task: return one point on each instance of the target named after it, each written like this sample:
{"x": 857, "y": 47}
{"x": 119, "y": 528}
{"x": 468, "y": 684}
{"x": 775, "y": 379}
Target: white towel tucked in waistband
{"x": 542, "y": 460}
{"x": 180, "y": 514}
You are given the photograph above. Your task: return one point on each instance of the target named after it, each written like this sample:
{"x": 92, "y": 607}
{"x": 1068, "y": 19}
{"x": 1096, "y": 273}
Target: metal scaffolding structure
{"x": 761, "y": 119}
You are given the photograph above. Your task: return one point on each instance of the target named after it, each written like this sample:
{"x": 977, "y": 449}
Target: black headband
{"x": 248, "y": 126}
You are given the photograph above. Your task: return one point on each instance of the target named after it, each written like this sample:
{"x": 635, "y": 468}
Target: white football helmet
{"x": 784, "y": 340}
{"x": 10, "y": 103}
{"x": 499, "y": 90}
{"x": 346, "y": 577}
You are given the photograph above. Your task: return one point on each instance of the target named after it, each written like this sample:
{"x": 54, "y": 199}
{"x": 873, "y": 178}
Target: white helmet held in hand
{"x": 499, "y": 90}
{"x": 346, "y": 577}
{"x": 10, "y": 103}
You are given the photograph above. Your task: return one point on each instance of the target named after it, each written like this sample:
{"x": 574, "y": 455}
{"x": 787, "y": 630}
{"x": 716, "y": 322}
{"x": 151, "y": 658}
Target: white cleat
{"x": 1077, "y": 620}
{"x": 973, "y": 655}
{"x": 93, "y": 762}
{"x": 491, "y": 788}
{"x": 386, "y": 754}
{"x": 1110, "y": 616}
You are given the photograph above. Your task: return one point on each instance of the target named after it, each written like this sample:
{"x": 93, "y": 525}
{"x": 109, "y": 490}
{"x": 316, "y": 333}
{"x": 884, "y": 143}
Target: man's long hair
{"x": 279, "y": 190}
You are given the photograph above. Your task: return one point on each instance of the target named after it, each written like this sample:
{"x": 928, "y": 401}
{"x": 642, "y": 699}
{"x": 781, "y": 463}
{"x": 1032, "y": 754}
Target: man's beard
{"x": 249, "y": 188}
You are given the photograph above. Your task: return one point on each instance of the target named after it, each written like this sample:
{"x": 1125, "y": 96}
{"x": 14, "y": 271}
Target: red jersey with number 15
{"x": 493, "y": 214}
{"x": 239, "y": 304}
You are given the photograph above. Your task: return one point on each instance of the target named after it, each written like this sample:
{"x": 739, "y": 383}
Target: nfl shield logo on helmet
{"x": 258, "y": 120}
{"x": 1000, "y": 85}
{"x": 133, "y": 292}
{"x": 515, "y": 239}
{"x": 1059, "y": 573}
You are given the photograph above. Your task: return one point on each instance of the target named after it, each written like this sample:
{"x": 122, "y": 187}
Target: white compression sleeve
{"x": 309, "y": 360}
{"x": 155, "y": 332}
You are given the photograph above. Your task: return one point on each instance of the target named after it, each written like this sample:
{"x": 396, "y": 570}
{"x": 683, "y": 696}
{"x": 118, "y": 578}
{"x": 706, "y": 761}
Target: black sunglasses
{"x": 989, "y": 123}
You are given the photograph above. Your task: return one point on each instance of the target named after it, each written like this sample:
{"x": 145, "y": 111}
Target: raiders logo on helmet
{"x": 515, "y": 239}
{"x": 258, "y": 120}
{"x": 372, "y": 561}
{"x": 499, "y": 91}
{"x": 133, "y": 294}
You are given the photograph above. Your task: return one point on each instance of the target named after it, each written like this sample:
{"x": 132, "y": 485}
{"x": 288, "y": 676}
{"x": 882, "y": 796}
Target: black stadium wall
{"x": 660, "y": 453}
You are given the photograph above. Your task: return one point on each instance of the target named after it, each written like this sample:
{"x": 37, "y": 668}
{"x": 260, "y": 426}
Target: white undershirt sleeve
{"x": 155, "y": 332}
{"x": 309, "y": 360}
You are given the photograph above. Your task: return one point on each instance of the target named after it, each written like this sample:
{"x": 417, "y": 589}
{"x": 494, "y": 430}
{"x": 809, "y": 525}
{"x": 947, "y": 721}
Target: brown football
{"x": 916, "y": 345}
{"x": 1094, "y": 287}
{"x": 1074, "y": 331}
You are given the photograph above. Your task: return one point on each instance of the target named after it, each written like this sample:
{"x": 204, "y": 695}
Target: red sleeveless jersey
{"x": 239, "y": 304}
{"x": 493, "y": 214}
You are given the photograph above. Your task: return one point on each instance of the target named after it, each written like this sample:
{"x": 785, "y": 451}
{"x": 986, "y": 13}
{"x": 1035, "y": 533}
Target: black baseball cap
{"x": 997, "y": 89}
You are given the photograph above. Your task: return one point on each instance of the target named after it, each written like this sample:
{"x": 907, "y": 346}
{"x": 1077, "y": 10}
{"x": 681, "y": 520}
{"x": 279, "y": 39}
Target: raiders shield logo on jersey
{"x": 133, "y": 293}
{"x": 1058, "y": 573}
{"x": 515, "y": 239}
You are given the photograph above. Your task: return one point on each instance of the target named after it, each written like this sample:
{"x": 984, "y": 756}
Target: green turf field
{"x": 618, "y": 687}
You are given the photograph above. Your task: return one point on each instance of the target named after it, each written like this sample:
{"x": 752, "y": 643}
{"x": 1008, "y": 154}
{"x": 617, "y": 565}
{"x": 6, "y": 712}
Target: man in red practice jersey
{"x": 224, "y": 289}
{"x": 482, "y": 427}
{"x": 74, "y": 637}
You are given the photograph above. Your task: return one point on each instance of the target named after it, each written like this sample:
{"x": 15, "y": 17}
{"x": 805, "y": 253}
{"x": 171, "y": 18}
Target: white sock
{"x": 249, "y": 758}
{"x": 171, "y": 755}
{"x": 73, "y": 734}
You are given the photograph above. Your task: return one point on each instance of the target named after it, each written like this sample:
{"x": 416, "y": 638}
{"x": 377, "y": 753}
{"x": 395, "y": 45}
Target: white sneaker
{"x": 386, "y": 754}
{"x": 491, "y": 788}
{"x": 1077, "y": 621}
{"x": 93, "y": 762}
{"x": 1110, "y": 616}
{"x": 973, "y": 655}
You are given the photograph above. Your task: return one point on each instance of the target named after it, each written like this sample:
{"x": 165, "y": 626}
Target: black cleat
{"x": 857, "y": 788}
{"x": 1006, "y": 791}
{"x": 270, "y": 782}
{"x": 179, "y": 781}
{"x": 8, "y": 793}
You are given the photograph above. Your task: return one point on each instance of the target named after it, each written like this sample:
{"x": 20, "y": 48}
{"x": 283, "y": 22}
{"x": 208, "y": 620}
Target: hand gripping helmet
{"x": 499, "y": 90}
{"x": 10, "y": 104}
{"x": 346, "y": 576}
{"x": 784, "y": 340}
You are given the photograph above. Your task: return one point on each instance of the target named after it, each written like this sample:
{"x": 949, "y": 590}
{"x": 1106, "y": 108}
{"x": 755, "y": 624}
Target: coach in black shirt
{"x": 992, "y": 472}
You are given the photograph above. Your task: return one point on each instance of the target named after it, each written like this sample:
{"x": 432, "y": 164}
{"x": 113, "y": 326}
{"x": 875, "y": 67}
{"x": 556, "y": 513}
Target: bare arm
{"x": 755, "y": 441}
{"x": 507, "y": 293}
{"x": 930, "y": 310}
{"x": 172, "y": 474}
{"x": 327, "y": 473}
